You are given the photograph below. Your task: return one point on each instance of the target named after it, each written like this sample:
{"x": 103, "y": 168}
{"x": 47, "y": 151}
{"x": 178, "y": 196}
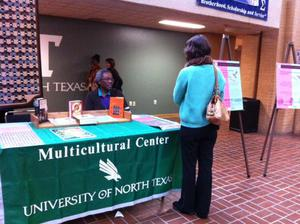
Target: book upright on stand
{"x": 116, "y": 107}
{"x": 75, "y": 108}
{"x": 41, "y": 109}
{"x": 75, "y": 111}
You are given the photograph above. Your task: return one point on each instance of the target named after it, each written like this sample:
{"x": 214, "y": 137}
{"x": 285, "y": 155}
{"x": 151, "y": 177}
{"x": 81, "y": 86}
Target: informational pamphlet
{"x": 18, "y": 135}
{"x": 288, "y": 86}
{"x": 153, "y": 121}
{"x": 85, "y": 119}
{"x": 89, "y": 119}
{"x": 105, "y": 119}
{"x": 233, "y": 98}
{"x": 72, "y": 133}
{"x": 63, "y": 121}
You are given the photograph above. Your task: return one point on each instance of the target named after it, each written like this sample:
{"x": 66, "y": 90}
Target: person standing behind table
{"x": 99, "y": 98}
{"x": 192, "y": 92}
{"x": 94, "y": 67}
{"x": 110, "y": 65}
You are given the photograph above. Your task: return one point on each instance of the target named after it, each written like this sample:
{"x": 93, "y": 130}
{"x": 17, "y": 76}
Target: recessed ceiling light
{"x": 181, "y": 24}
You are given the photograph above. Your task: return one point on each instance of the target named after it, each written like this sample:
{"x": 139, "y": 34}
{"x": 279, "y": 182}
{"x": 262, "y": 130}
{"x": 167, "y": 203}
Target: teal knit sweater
{"x": 193, "y": 91}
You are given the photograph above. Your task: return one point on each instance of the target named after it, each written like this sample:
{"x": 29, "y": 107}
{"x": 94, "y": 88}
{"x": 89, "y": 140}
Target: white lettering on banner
{"x": 214, "y": 4}
{"x": 97, "y": 148}
{"x": 142, "y": 142}
{"x": 45, "y": 39}
{"x": 87, "y": 197}
{"x": 261, "y": 15}
{"x": 159, "y": 181}
{"x": 236, "y": 9}
{"x": 134, "y": 187}
{"x": 76, "y": 151}
{"x": 105, "y": 193}
{"x": 58, "y": 203}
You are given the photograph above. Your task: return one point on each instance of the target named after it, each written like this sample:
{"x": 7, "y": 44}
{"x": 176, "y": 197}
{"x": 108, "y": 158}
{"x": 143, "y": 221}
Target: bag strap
{"x": 216, "y": 87}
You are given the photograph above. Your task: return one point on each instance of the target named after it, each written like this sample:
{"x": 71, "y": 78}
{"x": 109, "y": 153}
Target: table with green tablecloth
{"x": 119, "y": 165}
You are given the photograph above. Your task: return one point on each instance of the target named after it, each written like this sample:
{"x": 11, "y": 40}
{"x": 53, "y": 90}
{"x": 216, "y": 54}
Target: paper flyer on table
{"x": 153, "y": 121}
{"x": 71, "y": 133}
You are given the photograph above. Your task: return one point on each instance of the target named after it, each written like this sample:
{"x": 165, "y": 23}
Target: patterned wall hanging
{"x": 21, "y": 79}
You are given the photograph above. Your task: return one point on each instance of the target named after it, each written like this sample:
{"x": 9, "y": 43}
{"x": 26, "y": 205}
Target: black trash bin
{"x": 249, "y": 116}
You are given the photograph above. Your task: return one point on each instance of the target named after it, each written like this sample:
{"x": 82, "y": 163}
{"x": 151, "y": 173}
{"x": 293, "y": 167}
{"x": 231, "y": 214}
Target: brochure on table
{"x": 72, "y": 133}
{"x": 18, "y": 135}
{"x": 153, "y": 121}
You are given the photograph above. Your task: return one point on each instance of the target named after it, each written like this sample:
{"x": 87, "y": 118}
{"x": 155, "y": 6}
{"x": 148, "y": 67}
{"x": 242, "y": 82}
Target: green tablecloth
{"x": 124, "y": 164}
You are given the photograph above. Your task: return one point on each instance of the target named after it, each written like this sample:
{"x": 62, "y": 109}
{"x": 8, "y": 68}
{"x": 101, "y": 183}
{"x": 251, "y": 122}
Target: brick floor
{"x": 236, "y": 199}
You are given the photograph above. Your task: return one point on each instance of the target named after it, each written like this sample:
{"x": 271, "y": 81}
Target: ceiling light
{"x": 181, "y": 24}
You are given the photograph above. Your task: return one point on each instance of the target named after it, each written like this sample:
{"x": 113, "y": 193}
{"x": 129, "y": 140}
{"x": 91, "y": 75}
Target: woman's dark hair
{"x": 197, "y": 47}
{"x": 95, "y": 58}
{"x": 111, "y": 61}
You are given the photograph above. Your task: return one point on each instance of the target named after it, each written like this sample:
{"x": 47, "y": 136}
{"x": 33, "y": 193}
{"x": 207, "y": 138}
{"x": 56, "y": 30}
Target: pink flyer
{"x": 233, "y": 99}
{"x": 287, "y": 86}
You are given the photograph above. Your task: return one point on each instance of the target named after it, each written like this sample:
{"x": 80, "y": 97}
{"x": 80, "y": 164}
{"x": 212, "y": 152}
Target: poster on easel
{"x": 233, "y": 98}
{"x": 287, "y": 86}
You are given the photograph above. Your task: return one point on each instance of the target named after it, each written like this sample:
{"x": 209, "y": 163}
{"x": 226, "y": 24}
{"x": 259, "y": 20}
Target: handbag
{"x": 216, "y": 110}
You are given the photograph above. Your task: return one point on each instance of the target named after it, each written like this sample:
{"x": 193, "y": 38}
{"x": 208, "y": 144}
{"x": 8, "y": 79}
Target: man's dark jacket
{"x": 93, "y": 100}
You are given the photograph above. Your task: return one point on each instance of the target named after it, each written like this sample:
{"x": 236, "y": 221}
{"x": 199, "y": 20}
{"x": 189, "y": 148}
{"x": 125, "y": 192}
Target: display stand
{"x": 226, "y": 41}
{"x": 272, "y": 123}
{"x": 47, "y": 124}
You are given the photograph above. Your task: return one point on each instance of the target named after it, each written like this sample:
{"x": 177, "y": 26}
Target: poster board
{"x": 233, "y": 98}
{"x": 287, "y": 86}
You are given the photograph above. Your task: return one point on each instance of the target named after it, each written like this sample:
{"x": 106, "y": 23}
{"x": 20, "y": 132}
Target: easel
{"x": 271, "y": 127}
{"x": 225, "y": 40}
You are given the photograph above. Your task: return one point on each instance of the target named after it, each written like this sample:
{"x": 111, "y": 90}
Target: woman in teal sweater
{"x": 193, "y": 91}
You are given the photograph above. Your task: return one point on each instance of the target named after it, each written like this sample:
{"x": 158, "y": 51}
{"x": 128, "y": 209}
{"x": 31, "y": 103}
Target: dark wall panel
{"x": 148, "y": 61}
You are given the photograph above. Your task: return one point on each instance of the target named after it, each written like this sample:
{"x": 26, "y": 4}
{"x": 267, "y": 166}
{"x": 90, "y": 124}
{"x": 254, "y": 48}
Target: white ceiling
{"x": 119, "y": 12}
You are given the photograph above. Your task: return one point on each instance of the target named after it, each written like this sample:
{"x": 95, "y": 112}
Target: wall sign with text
{"x": 257, "y": 9}
{"x": 287, "y": 86}
{"x": 233, "y": 98}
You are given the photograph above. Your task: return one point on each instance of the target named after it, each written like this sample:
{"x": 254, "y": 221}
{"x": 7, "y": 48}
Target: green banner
{"x": 59, "y": 182}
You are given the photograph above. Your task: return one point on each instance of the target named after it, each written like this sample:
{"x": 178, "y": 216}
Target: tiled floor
{"x": 236, "y": 199}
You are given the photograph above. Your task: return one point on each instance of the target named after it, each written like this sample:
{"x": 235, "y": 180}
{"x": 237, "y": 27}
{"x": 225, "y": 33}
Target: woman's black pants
{"x": 197, "y": 146}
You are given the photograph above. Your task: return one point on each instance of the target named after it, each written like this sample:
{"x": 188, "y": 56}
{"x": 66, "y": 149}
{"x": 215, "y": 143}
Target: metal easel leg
{"x": 243, "y": 144}
{"x": 270, "y": 144}
{"x": 268, "y": 133}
